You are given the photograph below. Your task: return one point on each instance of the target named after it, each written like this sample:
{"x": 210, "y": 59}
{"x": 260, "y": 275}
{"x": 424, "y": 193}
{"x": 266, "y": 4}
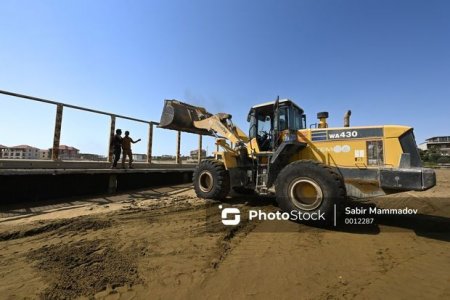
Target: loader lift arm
{"x": 222, "y": 125}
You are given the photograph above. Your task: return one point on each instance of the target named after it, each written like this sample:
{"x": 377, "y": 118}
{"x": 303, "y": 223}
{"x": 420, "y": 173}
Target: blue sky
{"x": 387, "y": 61}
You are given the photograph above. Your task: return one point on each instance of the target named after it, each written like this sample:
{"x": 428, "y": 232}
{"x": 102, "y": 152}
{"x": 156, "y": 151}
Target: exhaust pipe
{"x": 322, "y": 116}
{"x": 347, "y": 118}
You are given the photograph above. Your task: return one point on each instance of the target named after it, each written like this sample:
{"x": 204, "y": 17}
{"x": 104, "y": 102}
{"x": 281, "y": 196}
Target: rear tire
{"x": 310, "y": 187}
{"x": 211, "y": 180}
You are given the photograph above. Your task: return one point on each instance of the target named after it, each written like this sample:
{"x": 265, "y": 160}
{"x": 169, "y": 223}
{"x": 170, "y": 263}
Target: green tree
{"x": 423, "y": 155}
{"x": 433, "y": 155}
{"x": 443, "y": 160}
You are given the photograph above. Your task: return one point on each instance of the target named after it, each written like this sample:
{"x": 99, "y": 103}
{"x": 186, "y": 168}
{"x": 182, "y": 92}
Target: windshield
{"x": 262, "y": 119}
{"x": 264, "y": 123}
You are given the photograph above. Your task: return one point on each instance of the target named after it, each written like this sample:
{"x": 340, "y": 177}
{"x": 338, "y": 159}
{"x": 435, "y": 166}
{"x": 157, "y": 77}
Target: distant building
{"x": 2, "y": 150}
{"x": 91, "y": 157}
{"x": 440, "y": 143}
{"x": 139, "y": 157}
{"x": 66, "y": 152}
{"x": 21, "y": 152}
{"x": 44, "y": 154}
{"x": 166, "y": 157}
{"x": 194, "y": 154}
{"x": 29, "y": 152}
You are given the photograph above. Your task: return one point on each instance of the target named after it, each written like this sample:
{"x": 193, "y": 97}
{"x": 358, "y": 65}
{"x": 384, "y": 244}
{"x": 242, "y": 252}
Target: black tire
{"x": 308, "y": 186}
{"x": 211, "y": 180}
{"x": 243, "y": 190}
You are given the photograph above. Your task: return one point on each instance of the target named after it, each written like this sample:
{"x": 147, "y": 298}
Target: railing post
{"x": 178, "y": 158}
{"x": 150, "y": 143}
{"x": 199, "y": 148}
{"x": 57, "y": 133}
{"x": 111, "y": 138}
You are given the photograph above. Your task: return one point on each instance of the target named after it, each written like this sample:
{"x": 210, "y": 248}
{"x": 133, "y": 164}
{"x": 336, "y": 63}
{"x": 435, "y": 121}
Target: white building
{"x": 439, "y": 143}
{"x": 3, "y": 149}
{"x": 66, "y": 152}
{"x": 139, "y": 157}
{"x": 44, "y": 154}
{"x": 21, "y": 152}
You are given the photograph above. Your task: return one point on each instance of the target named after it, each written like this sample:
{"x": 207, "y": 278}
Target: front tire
{"x": 310, "y": 187}
{"x": 211, "y": 180}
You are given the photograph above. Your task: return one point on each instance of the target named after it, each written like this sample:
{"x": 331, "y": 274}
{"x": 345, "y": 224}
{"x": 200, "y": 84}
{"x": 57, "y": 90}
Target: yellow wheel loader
{"x": 309, "y": 169}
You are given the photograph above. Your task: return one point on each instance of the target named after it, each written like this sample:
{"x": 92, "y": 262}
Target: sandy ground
{"x": 167, "y": 244}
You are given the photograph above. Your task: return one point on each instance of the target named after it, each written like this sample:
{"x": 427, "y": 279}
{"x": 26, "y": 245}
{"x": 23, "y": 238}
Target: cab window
{"x": 283, "y": 118}
{"x": 297, "y": 120}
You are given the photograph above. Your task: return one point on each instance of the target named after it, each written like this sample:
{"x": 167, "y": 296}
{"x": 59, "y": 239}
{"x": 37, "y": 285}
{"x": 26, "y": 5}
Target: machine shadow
{"x": 26, "y": 209}
{"x": 251, "y": 200}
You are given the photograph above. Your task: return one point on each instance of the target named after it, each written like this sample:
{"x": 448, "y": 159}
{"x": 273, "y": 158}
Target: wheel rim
{"x": 206, "y": 181}
{"x": 306, "y": 194}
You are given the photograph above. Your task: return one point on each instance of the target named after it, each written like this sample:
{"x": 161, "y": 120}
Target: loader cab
{"x": 274, "y": 122}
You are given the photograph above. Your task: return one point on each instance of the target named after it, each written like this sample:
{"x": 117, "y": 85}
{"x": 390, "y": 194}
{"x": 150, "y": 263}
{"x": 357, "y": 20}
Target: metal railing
{"x": 59, "y": 118}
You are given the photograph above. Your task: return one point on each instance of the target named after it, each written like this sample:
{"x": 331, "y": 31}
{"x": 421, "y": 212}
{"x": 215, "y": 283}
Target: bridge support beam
{"x": 112, "y": 185}
{"x": 178, "y": 157}
{"x": 150, "y": 143}
{"x": 57, "y": 132}
{"x": 200, "y": 146}
{"x": 111, "y": 137}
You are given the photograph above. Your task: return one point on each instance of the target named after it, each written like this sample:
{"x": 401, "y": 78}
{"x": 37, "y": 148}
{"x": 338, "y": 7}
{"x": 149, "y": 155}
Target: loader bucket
{"x": 180, "y": 116}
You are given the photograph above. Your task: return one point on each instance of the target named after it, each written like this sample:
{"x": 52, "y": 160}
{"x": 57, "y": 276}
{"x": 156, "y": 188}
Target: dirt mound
{"x": 83, "y": 224}
{"x": 76, "y": 224}
{"x": 93, "y": 265}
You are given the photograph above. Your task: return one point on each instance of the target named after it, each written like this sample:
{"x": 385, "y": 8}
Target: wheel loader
{"x": 308, "y": 168}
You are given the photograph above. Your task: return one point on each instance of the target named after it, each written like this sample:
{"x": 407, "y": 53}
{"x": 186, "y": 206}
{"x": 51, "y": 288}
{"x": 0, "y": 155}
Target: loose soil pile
{"x": 83, "y": 268}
